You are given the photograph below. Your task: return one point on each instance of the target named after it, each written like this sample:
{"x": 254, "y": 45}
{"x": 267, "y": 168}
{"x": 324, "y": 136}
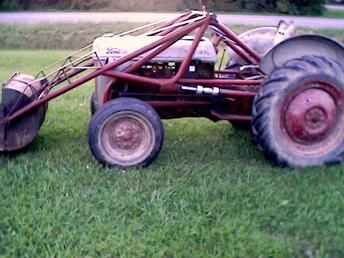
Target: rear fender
{"x": 299, "y": 46}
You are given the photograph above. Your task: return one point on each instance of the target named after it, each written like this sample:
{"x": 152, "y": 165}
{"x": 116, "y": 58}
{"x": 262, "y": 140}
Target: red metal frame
{"x": 241, "y": 89}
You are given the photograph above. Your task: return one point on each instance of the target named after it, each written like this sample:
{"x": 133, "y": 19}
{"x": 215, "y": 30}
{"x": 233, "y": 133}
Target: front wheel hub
{"x": 127, "y": 134}
{"x": 310, "y": 116}
{"x": 127, "y": 138}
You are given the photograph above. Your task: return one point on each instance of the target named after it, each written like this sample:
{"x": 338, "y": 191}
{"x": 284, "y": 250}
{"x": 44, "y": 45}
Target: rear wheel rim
{"x": 127, "y": 138}
{"x": 312, "y": 118}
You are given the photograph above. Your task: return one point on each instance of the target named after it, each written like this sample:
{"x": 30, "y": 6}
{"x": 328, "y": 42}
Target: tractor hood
{"x": 113, "y": 48}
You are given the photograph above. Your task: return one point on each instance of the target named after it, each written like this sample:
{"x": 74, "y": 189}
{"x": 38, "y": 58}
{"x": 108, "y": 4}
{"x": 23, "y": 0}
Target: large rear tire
{"x": 298, "y": 114}
{"x": 126, "y": 133}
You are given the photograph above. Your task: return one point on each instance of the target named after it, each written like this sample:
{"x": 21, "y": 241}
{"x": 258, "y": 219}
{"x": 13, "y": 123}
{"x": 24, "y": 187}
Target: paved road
{"x": 335, "y": 7}
{"x": 108, "y": 17}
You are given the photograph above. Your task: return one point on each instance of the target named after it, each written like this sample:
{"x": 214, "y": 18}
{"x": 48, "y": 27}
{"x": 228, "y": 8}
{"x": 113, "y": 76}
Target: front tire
{"x": 126, "y": 133}
{"x": 298, "y": 114}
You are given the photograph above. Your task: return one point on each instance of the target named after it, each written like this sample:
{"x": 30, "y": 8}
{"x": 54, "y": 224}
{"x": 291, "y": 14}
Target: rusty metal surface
{"x": 253, "y": 57}
{"x": 160, "y": 45}
{"x": 19, "y": 133}
{"x": 127, "y": 138}
{"x": 231, "y": 117}
{"x": 16, "y": 94}
{"x": 310, "y": 117}
{"x": 106, "y": 68}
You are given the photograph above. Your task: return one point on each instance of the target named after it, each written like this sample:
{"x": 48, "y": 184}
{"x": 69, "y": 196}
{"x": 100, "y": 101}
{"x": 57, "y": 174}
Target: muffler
{"x": 17, "y": 93}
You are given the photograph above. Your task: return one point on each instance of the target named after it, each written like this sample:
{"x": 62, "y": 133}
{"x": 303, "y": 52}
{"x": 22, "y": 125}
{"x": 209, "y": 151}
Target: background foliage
{"x": 307, "y": 7}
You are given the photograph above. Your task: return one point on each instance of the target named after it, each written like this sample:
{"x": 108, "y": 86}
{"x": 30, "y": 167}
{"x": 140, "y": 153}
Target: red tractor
{"x": 288, "y": 89}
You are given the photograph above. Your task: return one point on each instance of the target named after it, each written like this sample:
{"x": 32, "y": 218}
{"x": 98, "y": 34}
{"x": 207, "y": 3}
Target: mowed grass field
{"x": 334, "y": 13}
{"x": 211, "y": 193}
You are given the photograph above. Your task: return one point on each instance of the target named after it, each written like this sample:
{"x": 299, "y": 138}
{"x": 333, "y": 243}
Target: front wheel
{"x": 126, "y": 133}
{"x": 298, "y": 114}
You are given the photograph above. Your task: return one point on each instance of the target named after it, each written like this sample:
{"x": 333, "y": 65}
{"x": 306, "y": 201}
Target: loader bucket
{"x": 18, "y": 92}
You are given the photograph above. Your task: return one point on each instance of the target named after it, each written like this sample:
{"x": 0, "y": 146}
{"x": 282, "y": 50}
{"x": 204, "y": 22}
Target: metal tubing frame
{"x": 133, "y": 68}
{"x": 176, "y": 34}
{"x": 171, "y": 22}
{"x": 171, "y": 26}
{"x": 178, "y": 104}
{"x": 152, "y": 50}
{"x": 232, "y": 36}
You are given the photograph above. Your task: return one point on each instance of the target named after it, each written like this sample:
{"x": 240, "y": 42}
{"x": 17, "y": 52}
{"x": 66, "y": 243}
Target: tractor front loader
{"x": 289, "y": 89}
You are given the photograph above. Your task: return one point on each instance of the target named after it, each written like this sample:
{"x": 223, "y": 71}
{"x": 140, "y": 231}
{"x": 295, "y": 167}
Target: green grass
{"x": 75, "y": 36}
{"x": 336, "y": 34}
{"x": 211, "y": 193}
{"x": 56, "y": 36}
{"x": 334, "y": 13}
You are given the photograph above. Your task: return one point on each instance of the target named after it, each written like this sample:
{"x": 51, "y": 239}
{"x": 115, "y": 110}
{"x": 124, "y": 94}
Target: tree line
{"x": 304, "y": 7}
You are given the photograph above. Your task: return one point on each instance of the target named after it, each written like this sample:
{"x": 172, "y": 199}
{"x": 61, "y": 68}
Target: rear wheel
{"x": 126, "y": 133}
{"x": 298, "y": 115}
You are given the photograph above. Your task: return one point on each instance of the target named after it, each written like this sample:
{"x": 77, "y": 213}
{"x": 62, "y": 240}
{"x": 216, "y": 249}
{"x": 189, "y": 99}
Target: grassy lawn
{"x": 57, "y": 36}
{"x": 211, "y": 193}
{"x": 75, "y": 36}
{"x": 334, "y": 13}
